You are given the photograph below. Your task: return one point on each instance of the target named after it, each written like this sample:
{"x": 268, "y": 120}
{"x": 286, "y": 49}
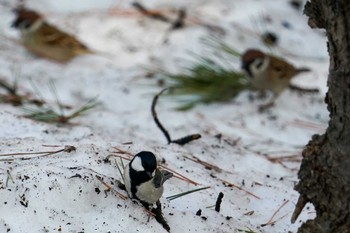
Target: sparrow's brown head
{"x": 25, "y": 18}
{"x": 252, "y": 60}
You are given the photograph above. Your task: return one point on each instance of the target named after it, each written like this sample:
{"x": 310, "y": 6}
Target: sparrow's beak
{"x": 160, "y": 177}
{"x": 245, "y": 67}
{"x": 15, "y": 23}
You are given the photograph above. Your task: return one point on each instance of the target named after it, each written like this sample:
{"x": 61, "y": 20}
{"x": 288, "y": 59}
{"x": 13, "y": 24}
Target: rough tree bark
{"x": 325, "y": 170}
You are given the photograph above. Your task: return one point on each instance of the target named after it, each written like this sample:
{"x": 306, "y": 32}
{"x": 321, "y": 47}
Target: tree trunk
{"x": 325, "y": 170}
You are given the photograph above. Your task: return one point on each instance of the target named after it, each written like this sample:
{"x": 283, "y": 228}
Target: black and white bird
{"x": 143, "y": 180}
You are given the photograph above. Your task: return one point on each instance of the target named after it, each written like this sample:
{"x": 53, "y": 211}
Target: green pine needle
{"x": 92, "y": 103}
{"x": 41, "y": 114}
{"x": 220, "y": 45}
{"x": 49, "y": 115}
{"x": 246, "y": 231}
{"x": 207, "y": 83}
{"x": 120, "y": 169}
{"x": 170, "y": 198}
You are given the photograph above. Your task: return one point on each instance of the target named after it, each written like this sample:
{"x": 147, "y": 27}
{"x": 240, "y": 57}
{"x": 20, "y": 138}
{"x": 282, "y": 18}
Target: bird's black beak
{"x": 245, "y": 67}
{"x": 15, "y": 24}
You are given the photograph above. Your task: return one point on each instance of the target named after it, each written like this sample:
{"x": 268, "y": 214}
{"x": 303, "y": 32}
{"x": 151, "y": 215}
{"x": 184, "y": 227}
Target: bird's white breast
{"x": 148, "y": 193}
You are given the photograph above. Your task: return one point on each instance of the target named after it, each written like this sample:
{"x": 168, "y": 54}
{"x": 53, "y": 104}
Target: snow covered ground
{"x": 60, "y": 192}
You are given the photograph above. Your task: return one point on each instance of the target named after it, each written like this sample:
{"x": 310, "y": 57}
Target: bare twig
{"x": 184, "y": 140}
{"x": 205, "y": 164}
{"x": 239, "y": 188}
{"x": 180, "y": 20}
{"x": 180, "y": 141}
{"x": 160, "y": 14}
{"x": 218, "y": 202}
{"x": 155, "y": 116}
{"x": 152, "y": 14}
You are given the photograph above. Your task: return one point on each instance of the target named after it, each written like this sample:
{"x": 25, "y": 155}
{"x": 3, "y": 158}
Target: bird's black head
{"x": 149, "y": 161}
{"x": 142, "y": 168}
{"x": 145, "y": 161}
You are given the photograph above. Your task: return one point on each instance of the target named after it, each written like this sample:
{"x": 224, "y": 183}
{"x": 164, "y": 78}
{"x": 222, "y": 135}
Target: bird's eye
{"x": 278, "y": 69}
{"x": 26, "y": 24}
{"x": 259, "y": 63}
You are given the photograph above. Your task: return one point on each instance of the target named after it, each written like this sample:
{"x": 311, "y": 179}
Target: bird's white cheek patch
{"x": 258, "y": 69}
{"x": 137, "y": 164}
{"x": 35, "y": 26}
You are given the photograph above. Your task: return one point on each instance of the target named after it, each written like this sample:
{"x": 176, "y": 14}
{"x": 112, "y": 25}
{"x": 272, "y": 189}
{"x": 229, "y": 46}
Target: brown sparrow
{"x": 268, "y": 72}
{"x": 46, "y": 40}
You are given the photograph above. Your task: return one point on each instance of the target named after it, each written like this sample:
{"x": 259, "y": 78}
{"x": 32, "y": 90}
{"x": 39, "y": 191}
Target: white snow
{"x": 61, "y": 190}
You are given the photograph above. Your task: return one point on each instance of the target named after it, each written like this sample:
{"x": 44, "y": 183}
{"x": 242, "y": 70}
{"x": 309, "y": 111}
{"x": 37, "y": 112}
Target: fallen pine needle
{"x": 179, "y": 176}
{"x": 120, "y": 151}
{"x": 118, "y": 156}
{"x": 9, "y": 177}
{"x": 172, "y": 197}
{"x": 205, "y": 164}
{"x": 66, "y": 149}
{"x": 247, "y": 231}
{"x": 308, "y": 125}
{"x": 239, "y": 188}
{"x": 271, "y": 221}
{"x": 249, "y": 213}
{"x": 120, "y": 169}
{"x": 289, "y": 158}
